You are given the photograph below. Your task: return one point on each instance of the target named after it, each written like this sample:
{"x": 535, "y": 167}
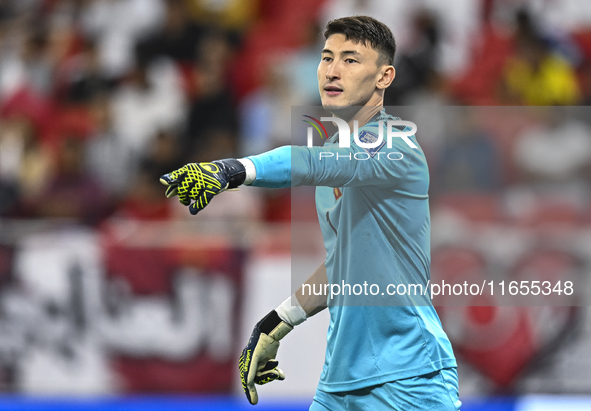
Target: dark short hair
{"x": 368, "y": 31}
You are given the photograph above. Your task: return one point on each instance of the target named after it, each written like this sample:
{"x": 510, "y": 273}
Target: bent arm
{"x": 313, "y": 304}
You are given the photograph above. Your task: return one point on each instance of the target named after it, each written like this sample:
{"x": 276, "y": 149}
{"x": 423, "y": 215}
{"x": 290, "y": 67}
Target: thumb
{"x": 280, "y": 374}
{"x": 171, "y": 190}
{"x": 254, "y": 396}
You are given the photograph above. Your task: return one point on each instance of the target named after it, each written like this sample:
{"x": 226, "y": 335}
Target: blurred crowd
{"x": 98, "y": 98}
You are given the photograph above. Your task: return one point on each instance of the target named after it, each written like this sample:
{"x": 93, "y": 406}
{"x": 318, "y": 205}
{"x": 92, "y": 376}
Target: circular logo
{"x": 211, "y": 167}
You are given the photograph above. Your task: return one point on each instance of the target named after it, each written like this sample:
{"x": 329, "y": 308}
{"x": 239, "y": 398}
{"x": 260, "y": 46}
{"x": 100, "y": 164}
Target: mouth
{"x": 333, "y": 91}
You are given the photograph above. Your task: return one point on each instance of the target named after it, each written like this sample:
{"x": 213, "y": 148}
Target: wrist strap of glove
{"x": 234, "y": 170}
{"x": 274, "y": 326}
{"x": 291, "y": 311}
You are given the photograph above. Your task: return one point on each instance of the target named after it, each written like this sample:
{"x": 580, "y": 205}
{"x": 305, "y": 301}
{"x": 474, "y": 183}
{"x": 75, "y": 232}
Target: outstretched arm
{"x": 289, "y": 166}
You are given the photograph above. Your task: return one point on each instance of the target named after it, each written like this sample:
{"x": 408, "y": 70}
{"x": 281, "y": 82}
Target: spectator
{"x": 81, "y": 79}
{"x": 536, "y": 76}
{"x": 557, "y": 153}
{"x": 117, "y": 25}
{"x": 431, "y": 108}
{"x": 27, "y": 67}
{"x": 152, "y": 99}
{"x": 110, "y": 160}
{"x": 265, "y": 114}
{"x": 554, "y": 159}
{"x": 416, "y": 65}
{"x": 178, "y": 37}
{"x": 145, "y": 200}
{"x": 72, "y": 193}
{"x": 233, "y": 15}
{"x": 212, "y": 122}
{"x": 164, "y": 153}
{"x": 300, "y": 67}
{"x": 470, "y": 161}
{"x": 24, "y": 166}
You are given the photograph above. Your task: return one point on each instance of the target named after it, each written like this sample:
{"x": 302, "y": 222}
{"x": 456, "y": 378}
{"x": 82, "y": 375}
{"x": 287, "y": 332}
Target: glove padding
{"x": 201, "y": 181}
{"x": 257, "y": 363}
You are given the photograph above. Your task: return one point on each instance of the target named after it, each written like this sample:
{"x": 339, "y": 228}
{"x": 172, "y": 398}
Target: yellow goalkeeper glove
{"x": 201, "y": 181}
{"x": 257, "y": 363}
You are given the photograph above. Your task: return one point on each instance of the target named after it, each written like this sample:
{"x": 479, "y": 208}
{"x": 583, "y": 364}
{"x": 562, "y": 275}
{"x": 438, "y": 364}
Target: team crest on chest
{"x": 368, "y": 138}
{"x": 337, "y": 193}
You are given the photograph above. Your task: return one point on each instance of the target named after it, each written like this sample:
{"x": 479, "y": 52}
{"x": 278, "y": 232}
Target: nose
{"x": 333, "y": 73}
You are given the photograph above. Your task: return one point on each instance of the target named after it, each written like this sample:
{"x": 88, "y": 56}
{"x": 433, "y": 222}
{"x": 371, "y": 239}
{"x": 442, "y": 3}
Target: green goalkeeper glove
{"x": 201, "y": 181}
{"x": 257, "y": 363}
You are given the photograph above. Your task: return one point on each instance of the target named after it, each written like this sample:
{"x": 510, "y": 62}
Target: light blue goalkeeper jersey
{"x": 373, "y": 210}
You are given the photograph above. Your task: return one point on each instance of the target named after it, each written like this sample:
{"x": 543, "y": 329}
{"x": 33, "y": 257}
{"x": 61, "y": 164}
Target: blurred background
{"x": 114, "y": 298}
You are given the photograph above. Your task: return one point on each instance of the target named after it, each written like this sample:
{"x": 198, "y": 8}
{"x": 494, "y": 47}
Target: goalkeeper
{"x": 374, "y": 216}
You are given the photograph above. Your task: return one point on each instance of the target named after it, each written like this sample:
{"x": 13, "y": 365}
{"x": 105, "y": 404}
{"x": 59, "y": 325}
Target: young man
{"x": 383, "y": 351}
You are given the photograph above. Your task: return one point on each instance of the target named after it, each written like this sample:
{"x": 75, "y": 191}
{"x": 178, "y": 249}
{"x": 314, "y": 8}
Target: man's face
{"x": 347, "y": 74}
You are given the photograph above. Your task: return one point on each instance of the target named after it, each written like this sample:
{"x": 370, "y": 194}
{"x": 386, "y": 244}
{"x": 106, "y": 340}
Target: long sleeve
{"x": 335, "y": 166}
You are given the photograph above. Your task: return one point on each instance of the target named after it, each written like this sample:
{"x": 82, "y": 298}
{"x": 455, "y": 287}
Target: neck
{"x": 364, "y": 114}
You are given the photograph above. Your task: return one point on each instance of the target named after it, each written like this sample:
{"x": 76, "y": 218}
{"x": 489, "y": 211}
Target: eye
{"x": 350, "y": 61}
{"x": 327, "y": 59}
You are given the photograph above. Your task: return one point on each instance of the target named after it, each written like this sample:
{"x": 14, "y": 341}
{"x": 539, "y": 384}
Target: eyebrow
{"x": 346, "y": 52}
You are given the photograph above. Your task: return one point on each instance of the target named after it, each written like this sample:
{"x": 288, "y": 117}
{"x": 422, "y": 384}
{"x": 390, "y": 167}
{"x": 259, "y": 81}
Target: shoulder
{"x": 386, "y": 131}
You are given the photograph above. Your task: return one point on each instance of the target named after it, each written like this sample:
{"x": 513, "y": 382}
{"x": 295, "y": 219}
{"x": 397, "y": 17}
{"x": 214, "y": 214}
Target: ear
{"x": 387, "y": 76}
